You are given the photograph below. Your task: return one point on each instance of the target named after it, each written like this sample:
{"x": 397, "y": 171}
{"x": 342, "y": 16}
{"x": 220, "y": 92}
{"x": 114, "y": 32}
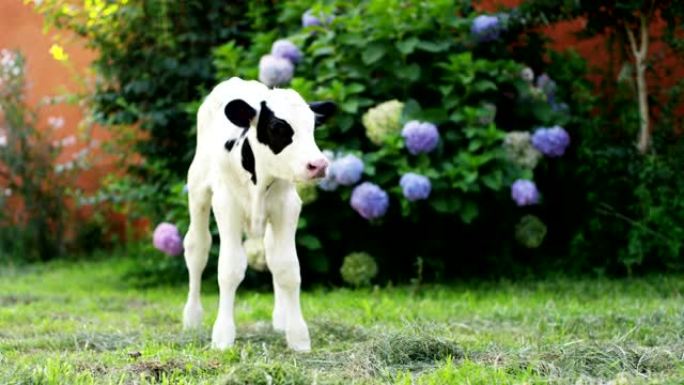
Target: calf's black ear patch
{"x": 272, "y": 131}
{"x": 248, "y": 160}
{"x": 229, "y": 144}
{"x": 239, "y": 113}
{"x": 323, "y": 111}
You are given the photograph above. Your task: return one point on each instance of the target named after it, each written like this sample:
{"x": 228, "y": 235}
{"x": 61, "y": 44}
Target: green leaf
{"x": 494, "y": 180}
{"x": 410, "y": 72}
{"x": 484, "y": 86}
{"x": 350, "y": 106}
{"x": 309, "y": 241}
{"x": 445, "y": 205}
{"x": 373, "y": 53}
{"x": 433, "y": 47}
{"x": 412, "y": 109}
{"x": 355, "y": 88}
{"x": 407, "y": 46}
{"x": 469, "y": 212}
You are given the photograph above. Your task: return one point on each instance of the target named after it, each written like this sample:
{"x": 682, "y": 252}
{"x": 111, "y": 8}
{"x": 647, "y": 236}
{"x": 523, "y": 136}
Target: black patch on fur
{"x": 248, "y": 160}
{"x": 273, "y": 131}
{"x": 239, "y": 113}
{"x": 323, "y": 111}
{"x": 229, "y": 144}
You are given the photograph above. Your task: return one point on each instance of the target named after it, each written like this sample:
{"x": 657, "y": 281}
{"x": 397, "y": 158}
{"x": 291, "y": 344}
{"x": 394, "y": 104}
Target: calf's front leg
{"x": 231, "y": 269}
{"x": 281, "y": 257}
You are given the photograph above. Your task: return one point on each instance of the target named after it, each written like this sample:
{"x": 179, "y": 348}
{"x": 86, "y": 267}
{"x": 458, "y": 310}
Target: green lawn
{"x": 81, "y": 324}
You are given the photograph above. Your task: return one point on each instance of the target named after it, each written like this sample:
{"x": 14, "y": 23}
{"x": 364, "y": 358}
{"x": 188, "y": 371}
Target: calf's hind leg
{"x": 196, "y": 243}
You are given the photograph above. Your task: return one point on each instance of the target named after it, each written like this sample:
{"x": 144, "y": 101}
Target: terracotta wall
{"x": 21, "y": 28}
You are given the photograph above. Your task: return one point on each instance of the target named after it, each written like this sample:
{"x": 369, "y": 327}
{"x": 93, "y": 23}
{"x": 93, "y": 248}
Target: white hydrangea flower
{"x": 527, "y": 74}
{"x": 519, "y": 149}
{"x": 383, "y": 120}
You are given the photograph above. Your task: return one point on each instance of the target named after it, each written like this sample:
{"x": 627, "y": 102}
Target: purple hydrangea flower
{"x": 548, "y": 87}
{"x": 415, "y": 186}
{"x": 347, "y": 170}
{"x": 369, "y": 200}
{"x": 287, "y": 50}
{"x": 166, "y": 238}
{"x": 328, "y": 183}
{"x": 275, "y": 71}
{"x": 420, "y": 137}
{"x": 309, "y": 20}
{"x": 524, "y": 192}
{"x": 485, "y": 28}
{"x": 551, "y": 141}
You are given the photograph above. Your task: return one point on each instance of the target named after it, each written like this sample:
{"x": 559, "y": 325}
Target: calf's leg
{"x": 196, "y": 244}
{"x": 231, "y": 268}
{"x": 281, "y": 257}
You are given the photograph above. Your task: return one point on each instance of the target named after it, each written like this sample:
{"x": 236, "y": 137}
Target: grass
{"x": 64, "y": 323}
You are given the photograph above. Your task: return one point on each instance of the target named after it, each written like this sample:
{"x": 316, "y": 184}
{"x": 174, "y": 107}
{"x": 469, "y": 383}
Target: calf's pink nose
{"x": 316, "y": 169}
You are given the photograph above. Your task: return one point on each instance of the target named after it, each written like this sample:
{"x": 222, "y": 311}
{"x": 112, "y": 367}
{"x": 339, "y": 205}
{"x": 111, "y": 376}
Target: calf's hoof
{"x": 192, "y": 316}
{"x": 298, "y": 339}
{"x": 222, "y": 336}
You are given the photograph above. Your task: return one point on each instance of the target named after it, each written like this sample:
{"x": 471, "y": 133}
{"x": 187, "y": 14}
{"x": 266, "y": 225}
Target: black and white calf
{"x": 253, "y": 144}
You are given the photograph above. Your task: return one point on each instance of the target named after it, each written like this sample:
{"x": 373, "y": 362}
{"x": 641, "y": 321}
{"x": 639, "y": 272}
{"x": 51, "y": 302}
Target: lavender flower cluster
{"x": 277, "y": 68}
{"x": 167, "y": 239}
{"x": 420, "y": 137}
{"x": 343, "y": 170}
{"x": 309, "y": 19}
{"x": 552, "y": 141}
{"x": 525, "y": 150}
{"x": 485, "y": 28}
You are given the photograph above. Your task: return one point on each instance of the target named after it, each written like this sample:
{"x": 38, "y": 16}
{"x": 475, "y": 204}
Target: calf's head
{"x": 281, "y": 129}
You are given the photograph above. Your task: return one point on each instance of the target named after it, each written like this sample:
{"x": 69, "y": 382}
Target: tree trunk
{"x": 644, "y": 141}
{"x": 640, "y": 53}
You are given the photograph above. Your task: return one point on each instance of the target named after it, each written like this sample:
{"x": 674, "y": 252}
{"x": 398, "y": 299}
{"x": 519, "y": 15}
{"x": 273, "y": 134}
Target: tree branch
{"x": 632, "y": 42}
{"x": 643, "y": 50}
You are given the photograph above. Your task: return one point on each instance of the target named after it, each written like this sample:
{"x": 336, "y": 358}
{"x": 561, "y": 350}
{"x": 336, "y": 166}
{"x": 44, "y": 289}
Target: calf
{"x": 253, "y": 144}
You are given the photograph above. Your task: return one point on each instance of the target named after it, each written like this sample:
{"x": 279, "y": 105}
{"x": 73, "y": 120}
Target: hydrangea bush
{"x": 439, "y": 128}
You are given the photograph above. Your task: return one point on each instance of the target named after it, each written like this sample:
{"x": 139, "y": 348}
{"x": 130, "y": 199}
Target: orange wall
{"x": 21, "y": 28}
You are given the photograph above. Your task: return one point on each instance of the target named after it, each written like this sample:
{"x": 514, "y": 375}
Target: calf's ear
{"x": 323, "y": 111}
{"x": 239, "y": 113}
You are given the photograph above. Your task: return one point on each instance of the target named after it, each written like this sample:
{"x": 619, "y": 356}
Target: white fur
{"x": 269, "y": 209}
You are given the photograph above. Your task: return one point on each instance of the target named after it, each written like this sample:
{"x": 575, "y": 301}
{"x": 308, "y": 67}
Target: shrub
{"x": 455, "y": 92}
{"x": 34, "y": 187}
